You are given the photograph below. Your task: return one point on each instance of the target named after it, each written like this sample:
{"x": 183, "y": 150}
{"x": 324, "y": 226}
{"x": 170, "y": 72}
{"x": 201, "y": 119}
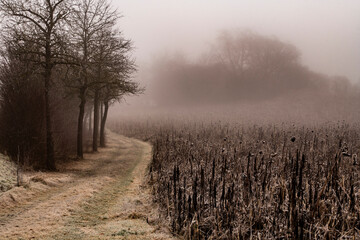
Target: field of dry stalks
{"x": 229, "y": 181}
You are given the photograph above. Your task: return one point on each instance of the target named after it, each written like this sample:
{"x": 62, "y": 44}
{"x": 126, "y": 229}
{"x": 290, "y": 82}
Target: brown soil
{"x": 103, "y": 196}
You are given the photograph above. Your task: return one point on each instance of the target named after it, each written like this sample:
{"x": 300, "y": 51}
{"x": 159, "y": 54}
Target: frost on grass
{"x": 7, "y": 173}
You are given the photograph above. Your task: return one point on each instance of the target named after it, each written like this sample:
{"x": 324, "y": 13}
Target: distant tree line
{"x": 243, "y": 67}
{"x": 63, "y": 63}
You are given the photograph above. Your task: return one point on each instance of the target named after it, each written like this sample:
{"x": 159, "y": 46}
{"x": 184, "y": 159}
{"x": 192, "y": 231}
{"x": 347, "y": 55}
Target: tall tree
{"x": 41, "y": 23}
{"x": 91, "y": 16}
{"x": 114, "y": 69}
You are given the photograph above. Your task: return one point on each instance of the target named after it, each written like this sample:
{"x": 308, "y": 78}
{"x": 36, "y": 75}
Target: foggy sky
{"x": 327, "y": 33}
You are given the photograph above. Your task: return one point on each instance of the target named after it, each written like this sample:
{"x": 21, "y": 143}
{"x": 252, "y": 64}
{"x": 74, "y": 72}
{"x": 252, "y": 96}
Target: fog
{"x": 326, "y": 32}
{"x": 326, "y": 35}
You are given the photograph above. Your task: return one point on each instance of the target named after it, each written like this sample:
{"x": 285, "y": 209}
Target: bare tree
{"x": 40, "y": 23}
{"x": 113, "y": 92}
{"x": 246, "y": 50}
{"x": 114, "y": 70}
{"x": 232, "y": 51}
{"x": 91, "y": 16}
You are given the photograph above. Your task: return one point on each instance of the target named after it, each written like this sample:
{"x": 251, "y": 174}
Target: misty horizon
{"x": 326, "y": 36}
{"x": 326, "y": 33}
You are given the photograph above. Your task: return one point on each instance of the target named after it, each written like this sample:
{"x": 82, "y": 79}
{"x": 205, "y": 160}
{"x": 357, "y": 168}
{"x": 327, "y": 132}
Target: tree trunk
{"x": 50, "y": 159}
{"x": 90, "y": 122}
{"x": 103, "y": 122}
{"x": 96, "y": 121}
{"x": 101, "y": 112}
{"x": 85, "y": 123}
{"x": 81, "y": 124}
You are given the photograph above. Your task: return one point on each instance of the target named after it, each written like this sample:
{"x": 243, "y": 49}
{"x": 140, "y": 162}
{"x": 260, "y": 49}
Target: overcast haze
{"x": 327, "y": 33}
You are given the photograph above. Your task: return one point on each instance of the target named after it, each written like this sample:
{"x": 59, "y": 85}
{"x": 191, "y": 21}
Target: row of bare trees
{"x": 77, "y": 51}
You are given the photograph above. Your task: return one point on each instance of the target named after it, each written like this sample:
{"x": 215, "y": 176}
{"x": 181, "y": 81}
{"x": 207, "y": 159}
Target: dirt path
{"x": 100, "y": 197}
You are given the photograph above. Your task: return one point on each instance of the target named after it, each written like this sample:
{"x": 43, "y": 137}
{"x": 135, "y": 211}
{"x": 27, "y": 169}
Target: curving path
{"x": 100, "y": 197}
